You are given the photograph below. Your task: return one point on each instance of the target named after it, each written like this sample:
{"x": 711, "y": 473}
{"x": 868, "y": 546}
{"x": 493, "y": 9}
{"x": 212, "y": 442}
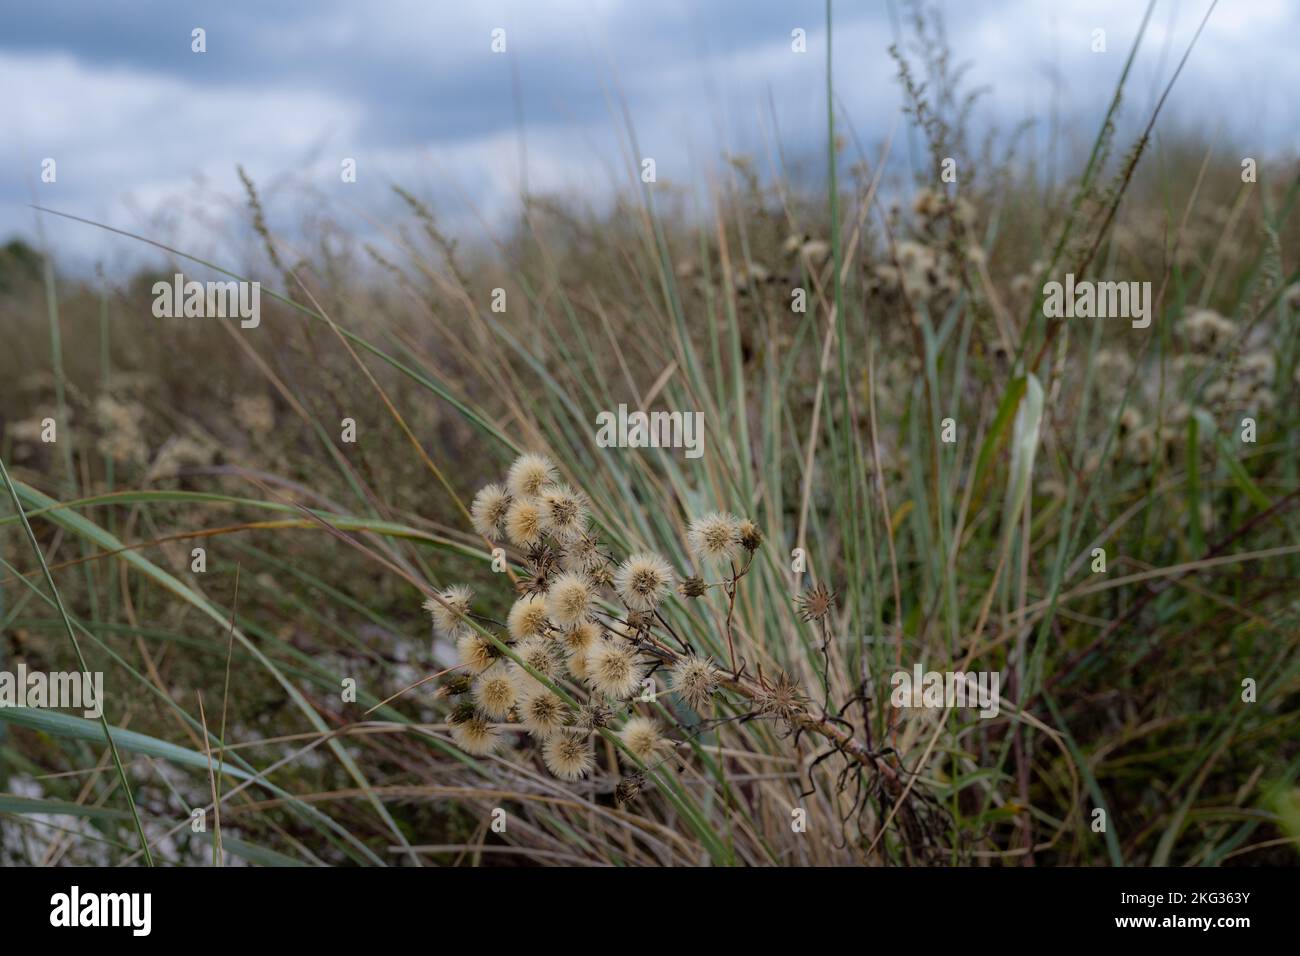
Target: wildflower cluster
{"x": 585, "y": 634}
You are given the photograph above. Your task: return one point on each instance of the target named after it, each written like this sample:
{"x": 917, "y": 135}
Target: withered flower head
{"x": 629, "y": 788}
{"x": 538, "y": 566}
{"x": 456, "y": 686}
{"x": 815, "y": 603}
{"x": 780, "y": 698}
{"x": 638, "y": 621}
{"x": 692, "y": 587}
{"x": 750, "y": 535}
{"x": 462, "y": 712}
{"x": 695, "y": 679}
{"x": 593, "y": 715}
{"x": 602, "y": 575}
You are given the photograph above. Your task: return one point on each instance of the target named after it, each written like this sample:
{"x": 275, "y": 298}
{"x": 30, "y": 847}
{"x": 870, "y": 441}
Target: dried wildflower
{"x": 564, "y": 512}
{"x": 488, "y": 512}
{"x": 692, "y": 587}
{"x": 580, "y": 639}
{"x": 456, "y": 686}
{"x": 751, "y": 538}
{"x": 474, "y": 735}
{"x": 714, "y": 537}
{"x": 538, "y": 570}
{"x": 541, "y": 711}
{"x": 495, "y": 691}
{"x": 629, "y": 788}
{"x": 695, "y": 679}
{"x": 642, "y": 736}
{"x": 927, "y": 203}
{"x": 638, "y": 622}
{"x": 602, "y": 575}
{"x": 524, "y": 523}
{"x": 780, "y": 699}
{"x": 613, "y": 668}
{"x": 570, "y": 599}
{"x": 541, "y": 655}
{"x": 529, "y": 474}
{"x": 1206, "y": 330}
{"x": 449, "y": 613}
{"x": 528, "y": 617}
{"x": 815, "y": 603}
{"x": 569, "y": 755}
{"x": 476, "y": 652}
{"x": 577, "y": 663}
{"x": 1257, "y": 367}
{"x": 462, "y": 712}
{"x": 593, "y": 715}
{"x": 582, "y": 553}
{"x": 814, "y": 253}
{"x": 643, "y": 580}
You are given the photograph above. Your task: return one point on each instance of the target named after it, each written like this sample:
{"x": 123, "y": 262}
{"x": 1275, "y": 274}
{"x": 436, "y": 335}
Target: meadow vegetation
{"x": 521, "y": 687}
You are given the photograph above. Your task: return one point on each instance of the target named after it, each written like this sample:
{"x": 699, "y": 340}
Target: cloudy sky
{"x": 146, "y": 133}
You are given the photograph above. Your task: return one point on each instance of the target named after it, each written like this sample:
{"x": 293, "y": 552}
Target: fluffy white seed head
{"x": 543, "y": 656}
{"x": 529, "y": 474}
{"x": 528, "y": 617}
{"x": 449, "y": 613}
{"x": 570, "y": 599}
{"x": 569, "y": 755}
{"x": 476, "y": 736}
{"x": 643, "y": 580}
{"x": 642, "y": 736}
{"x": 495, "y": 692}
{"x": 524, "y": 523}
{"x": 714, "y": 537}
{"x": 488, "y": 512}
{"x": 542, "y": 712}
{"x": 476, "y": 652}
{"x": 564, "y": 512}
{"x": 613, "y": 668}
{"x": 695, "y": 679}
